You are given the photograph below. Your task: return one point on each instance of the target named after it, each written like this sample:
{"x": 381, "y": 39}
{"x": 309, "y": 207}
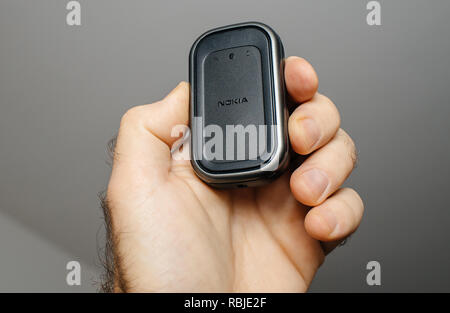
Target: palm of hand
{"x": 249, "y": 239}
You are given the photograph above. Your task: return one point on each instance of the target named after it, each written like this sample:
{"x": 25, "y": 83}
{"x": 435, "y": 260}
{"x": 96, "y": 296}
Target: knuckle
{"x": 349, "y": 145}
{"x": 332, "y": 111}
{"x": 354, "y": 204}
{"x": 353, "y": 194}
{"x": 132, "y": 116}
{"x": 338, "y": 117}
{"x": 327, "y": 101}
{"x": 358, "y": 199}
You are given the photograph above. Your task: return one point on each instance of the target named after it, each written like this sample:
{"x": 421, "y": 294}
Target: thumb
{"x": 142, "y": 152}
{"x": 160, "y": 117}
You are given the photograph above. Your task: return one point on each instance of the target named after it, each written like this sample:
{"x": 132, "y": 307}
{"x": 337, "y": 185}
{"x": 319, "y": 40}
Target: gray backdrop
{"x": 63, "y": 90}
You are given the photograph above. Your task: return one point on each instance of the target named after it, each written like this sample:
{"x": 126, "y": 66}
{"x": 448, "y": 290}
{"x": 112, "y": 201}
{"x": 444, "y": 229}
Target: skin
{"x": 173, "y": 233}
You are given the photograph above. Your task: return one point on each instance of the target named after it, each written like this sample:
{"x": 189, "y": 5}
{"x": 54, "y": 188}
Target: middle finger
{"x": 324, "y": 171}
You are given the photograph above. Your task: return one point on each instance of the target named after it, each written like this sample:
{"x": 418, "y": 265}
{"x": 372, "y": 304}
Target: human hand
{"x": 173, "y": 233}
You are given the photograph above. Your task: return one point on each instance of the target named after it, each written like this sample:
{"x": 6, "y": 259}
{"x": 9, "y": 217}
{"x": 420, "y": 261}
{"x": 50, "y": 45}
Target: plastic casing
{"x": 279, "y": 157}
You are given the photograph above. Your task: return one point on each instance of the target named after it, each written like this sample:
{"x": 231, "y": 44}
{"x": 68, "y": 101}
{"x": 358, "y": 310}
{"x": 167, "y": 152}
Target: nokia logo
{"x": 232, "y": 101}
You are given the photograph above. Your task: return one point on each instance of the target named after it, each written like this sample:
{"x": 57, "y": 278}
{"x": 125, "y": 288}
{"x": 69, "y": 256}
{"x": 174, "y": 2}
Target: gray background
{"x": 63, "y": 90}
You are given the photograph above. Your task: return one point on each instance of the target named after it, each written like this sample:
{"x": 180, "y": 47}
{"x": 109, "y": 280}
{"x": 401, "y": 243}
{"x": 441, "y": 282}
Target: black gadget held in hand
{"x": 238, "y": 114}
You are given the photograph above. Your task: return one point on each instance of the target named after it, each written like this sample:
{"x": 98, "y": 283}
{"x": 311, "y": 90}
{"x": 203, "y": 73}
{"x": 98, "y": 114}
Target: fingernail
{"x": 311, "y": 132}
{"x": 329, "y": 219}
{"x": 316, "y": 181}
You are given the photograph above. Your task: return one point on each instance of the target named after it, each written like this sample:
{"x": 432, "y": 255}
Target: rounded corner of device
{"x": 201, "y": 172}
